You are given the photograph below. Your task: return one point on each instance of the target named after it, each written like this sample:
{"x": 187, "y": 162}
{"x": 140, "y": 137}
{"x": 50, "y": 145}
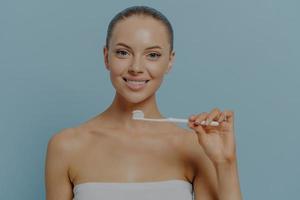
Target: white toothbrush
{"x": 139, "y": 115}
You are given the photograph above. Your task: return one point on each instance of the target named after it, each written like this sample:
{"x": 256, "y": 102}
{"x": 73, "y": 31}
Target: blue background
{"x": 235, "y": 54}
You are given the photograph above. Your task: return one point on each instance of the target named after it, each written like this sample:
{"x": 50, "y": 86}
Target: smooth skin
{"x": 111, "y": 147}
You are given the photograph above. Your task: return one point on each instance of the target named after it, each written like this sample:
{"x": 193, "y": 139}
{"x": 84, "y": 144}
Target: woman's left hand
{"x": 218, "y": 142}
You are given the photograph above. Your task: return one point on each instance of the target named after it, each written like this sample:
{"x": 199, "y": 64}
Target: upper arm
{"x": 205, "y": 180}
{"x": 57, "y": 182}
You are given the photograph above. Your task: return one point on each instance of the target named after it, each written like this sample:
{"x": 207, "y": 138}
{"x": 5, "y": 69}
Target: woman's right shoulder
{"x": 71, "y": 139}
{"x": 64, "y": 140}
{"x": 57, "y": 165}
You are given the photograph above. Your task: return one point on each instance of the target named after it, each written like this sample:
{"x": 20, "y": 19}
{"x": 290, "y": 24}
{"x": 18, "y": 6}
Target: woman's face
{"x": 139, "y": 49}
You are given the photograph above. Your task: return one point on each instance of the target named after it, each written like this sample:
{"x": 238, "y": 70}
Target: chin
{"x": 135, "y": 97}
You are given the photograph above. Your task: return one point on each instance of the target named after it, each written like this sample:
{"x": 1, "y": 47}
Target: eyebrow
{"x": 152, "y": 47}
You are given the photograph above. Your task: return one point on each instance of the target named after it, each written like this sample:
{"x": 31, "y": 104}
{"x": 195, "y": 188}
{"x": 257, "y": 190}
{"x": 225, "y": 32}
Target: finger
{"x": 227, "y": 122}
{"x": 222, "y": 117}
{"x": 229, "y": 116}
{"x": 200, "y": 118}
{"x": 195, "y": 125}
{"x": 192, "y": 117}
{"x": 213, "y": 115}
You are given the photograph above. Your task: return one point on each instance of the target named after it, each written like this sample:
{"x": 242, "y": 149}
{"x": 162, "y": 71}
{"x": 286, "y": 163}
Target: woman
{"x": 112, "y": 156}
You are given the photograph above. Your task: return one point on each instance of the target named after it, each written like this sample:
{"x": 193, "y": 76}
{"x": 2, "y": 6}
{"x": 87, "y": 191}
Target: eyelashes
{"x": 122, "y": 53}
{"x": 126, "y": 54}
{"x": 153, "y": 56}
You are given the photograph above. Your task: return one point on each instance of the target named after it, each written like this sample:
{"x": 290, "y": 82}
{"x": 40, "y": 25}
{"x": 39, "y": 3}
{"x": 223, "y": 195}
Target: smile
{"x": 135, "y": 84}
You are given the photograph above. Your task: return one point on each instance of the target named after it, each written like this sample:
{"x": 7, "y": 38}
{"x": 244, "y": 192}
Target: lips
{"x": 135, "y": 84}
{"x": 137, "y": 81}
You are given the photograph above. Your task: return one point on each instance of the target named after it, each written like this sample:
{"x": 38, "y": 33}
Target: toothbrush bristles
{"x": 137, "y": 114}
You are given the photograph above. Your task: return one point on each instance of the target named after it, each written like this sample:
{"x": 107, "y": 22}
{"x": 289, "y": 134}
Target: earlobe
{"x": 169, "y": 69}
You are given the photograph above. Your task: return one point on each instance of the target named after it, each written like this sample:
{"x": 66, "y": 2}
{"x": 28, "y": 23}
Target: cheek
{"x": 155, "y": 71}
{"x": 158, "y": 69}
{"x": 118, "y": 66}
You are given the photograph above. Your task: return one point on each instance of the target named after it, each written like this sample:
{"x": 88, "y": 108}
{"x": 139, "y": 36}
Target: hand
{"x": 218, "y": 142}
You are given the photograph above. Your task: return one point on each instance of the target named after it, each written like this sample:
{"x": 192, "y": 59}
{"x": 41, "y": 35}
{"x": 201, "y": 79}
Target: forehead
{"x": 140, "y": 31}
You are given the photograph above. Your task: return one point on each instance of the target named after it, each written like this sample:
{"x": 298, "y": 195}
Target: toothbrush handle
{"x": 170, "y": 119}
{"x": 165, "y": 120}
{"x": 153, "y": 120}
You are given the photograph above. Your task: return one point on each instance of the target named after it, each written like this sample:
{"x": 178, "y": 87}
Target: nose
{"x": 136, "y": 66}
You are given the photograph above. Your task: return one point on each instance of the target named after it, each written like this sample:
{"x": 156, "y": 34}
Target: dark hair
{"x": 140, "y": 10}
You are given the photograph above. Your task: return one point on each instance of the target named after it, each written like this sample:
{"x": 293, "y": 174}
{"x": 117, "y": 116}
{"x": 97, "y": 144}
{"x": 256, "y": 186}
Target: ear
{"x": 105, "y": 57}
{"x": 171, "y": 61}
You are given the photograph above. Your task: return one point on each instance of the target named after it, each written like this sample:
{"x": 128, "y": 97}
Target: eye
{"x": 153, "y": 55}
{"x": 122, "y": 53}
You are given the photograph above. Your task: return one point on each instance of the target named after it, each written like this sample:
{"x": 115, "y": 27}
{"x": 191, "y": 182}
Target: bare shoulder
{"x": 189, "y": 143}
{"x": 68, "y": 141}
{"x": 62, "y": 141}
{"x": 57, "y": 182}
{"x": 60, "y": 146}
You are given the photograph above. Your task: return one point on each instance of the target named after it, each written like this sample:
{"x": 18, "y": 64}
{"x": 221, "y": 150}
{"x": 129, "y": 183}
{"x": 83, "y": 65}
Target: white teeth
{"x": 135, "y": 82}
